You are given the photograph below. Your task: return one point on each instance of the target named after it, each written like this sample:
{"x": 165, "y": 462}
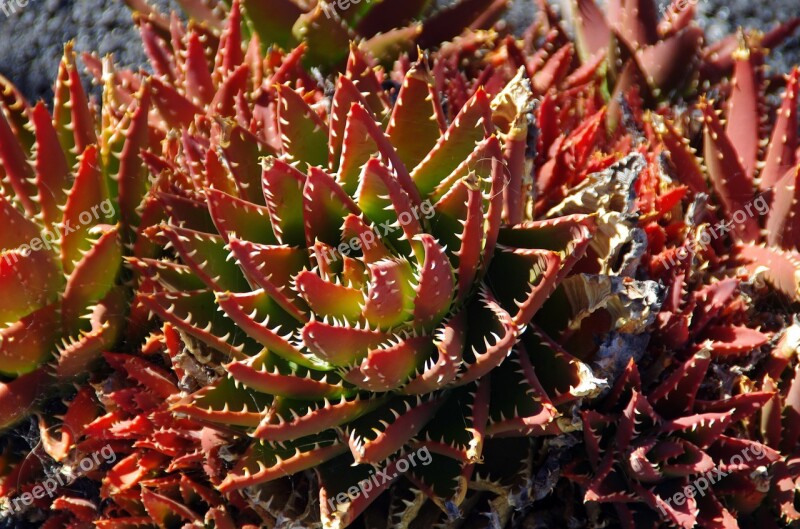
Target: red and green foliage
{"x": 70, "y": 207}
{"x": 555, "y": 267}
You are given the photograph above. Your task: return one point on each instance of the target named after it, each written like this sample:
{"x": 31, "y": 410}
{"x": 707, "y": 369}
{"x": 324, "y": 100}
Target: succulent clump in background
{"x": 504, "y": 281}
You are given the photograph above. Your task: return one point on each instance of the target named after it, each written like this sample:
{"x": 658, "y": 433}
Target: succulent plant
{"x": 724, "y": 348}
{"x": 385, "y": 28}
{"x": 649, "y": 447}
{"x": 369, "y": 292}
{"x": 361, "y": 291}
{"x": 69, "y": 203}
{"x": 443, "y": 291}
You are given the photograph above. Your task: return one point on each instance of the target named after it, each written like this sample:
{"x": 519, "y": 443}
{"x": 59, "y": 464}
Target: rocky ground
{"x": 31, "y": 39}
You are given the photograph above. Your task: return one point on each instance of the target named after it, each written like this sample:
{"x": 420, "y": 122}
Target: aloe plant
{"x": 361, "y": 289}
{"x": 70, "y": 197}
{"x": 387, "y": 28}
{"x": 503, "y": 254}
{"x": 654, "y": 447}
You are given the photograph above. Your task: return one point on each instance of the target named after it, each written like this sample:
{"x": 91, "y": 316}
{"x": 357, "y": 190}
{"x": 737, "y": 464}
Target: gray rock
{"x": 720, "y": 17}
{"x": 32, "y": 38}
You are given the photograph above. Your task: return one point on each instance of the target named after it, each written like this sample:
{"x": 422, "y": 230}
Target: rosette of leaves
{"x": 747, "y": 174}
{"x": 360, "y": 294}
{"x": 385, "y": 28}
{"x": 730, "y": 265}
{"x": 631, "y": 47}
{"x": 647, "y": 447}
{"x": 69, "y": 198}
{"x": 661, "y": 55}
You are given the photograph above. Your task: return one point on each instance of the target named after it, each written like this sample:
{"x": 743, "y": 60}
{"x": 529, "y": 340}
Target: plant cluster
{"x": 566, "y": 269}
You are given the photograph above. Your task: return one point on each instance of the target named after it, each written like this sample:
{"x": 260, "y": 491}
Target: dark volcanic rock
{"x": 724, "y": 16}
{"x": 32, "y": 38}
